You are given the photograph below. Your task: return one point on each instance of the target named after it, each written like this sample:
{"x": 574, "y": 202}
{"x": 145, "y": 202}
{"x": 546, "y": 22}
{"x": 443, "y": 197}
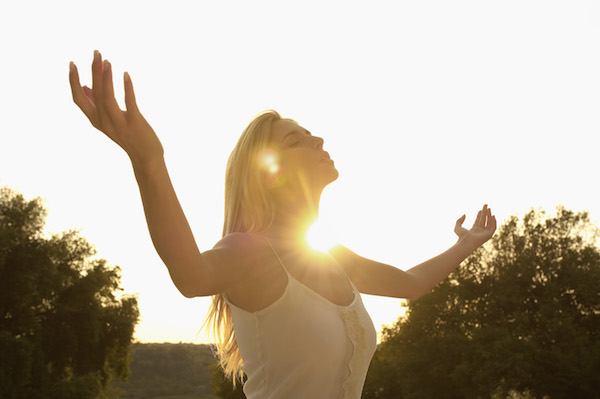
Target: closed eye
{"x": 294, "y": 135}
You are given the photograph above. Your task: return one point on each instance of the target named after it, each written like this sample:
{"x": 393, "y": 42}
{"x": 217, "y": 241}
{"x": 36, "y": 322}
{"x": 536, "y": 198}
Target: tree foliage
{"x": 64, "y": 330}
{"x": 521, "y": 315}
{"x": 223, "y": 387}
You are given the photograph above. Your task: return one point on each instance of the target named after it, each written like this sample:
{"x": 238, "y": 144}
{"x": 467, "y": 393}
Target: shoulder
{"x": 346, "y": 258}
{"x": 240, "y": 249}
{"x": 343, "y": 253}
{"x": 233, "y": 259}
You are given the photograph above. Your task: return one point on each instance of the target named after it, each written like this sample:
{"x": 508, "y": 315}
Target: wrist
{"x": 465, "y": 246}
{"x": 148, "y": 166}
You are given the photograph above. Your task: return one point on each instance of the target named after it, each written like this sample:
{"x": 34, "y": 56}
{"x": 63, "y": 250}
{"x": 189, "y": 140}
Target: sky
{"x": 430, "y": 109}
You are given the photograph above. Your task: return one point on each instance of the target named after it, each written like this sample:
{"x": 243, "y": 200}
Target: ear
{"x": 268, "y": 159}
{"x": 274, "y": 181}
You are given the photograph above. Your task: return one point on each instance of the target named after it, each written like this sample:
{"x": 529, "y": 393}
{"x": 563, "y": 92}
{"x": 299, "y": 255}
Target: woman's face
{"x": 299, "y": 156}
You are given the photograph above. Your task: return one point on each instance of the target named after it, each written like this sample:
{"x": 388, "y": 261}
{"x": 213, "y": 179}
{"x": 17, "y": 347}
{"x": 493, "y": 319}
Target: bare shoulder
{"x": 237, "y": 251}
{"x": 232, "y": 260}
{"x": 346, "y": 258}
{"x": 340, "y": 250}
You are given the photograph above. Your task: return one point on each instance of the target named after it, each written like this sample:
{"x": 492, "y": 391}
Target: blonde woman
{"x": 290, "y": 318}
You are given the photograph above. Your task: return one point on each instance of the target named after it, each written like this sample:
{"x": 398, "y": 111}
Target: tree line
{"x": 167, "y": 369}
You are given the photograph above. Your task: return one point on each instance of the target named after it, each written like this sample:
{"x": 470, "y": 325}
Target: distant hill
{"x": 168, "y": 371}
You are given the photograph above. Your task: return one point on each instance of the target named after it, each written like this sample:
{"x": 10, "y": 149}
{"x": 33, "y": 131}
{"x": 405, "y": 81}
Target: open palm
{"x": 127, "y": 128}
{"x": 482, "y": 230}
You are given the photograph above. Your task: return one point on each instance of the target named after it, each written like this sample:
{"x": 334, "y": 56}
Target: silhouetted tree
{"x": 521, "y": 315}
{"x": 64, "y": 331}
{"x": 223, "y": 386}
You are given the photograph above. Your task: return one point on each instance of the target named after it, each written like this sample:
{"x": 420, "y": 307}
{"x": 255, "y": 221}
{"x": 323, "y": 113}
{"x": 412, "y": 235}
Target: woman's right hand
{"x": 127, "y": 128}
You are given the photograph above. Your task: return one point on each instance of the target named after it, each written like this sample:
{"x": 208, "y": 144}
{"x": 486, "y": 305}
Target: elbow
{"x": 415, "y": 296}
{"x": 188, "y": 294}
{"x": 188, "y": 281}
{"x": 186, "y": 291}
{"x": 193, "y": 287}
{"x": 188, "y": 287}
{"x": 418, "y": 289}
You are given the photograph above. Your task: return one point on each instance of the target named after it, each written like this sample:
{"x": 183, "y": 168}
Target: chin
{"x": 337, "y": 174}
{"x": 333, "y": 176}
{"x": 323, "y": 177}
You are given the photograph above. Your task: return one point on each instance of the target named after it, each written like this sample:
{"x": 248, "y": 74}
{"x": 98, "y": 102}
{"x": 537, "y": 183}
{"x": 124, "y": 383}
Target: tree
{"x": 64, "y": 331}
{"x": 223, "y": 387}
{"x": 521, "y": 316}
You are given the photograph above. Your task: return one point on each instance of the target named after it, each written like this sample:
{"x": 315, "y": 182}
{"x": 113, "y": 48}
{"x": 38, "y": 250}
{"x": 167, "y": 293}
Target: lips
{"x": 326, "y": 157}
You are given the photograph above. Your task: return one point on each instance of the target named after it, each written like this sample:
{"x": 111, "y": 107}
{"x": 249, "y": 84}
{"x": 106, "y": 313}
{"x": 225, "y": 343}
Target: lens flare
{"x": 269, "y": 161}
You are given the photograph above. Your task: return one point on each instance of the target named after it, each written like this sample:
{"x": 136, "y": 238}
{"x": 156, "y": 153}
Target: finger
{"x": 130, "y": 102}
{"x": 484, "y": 215}
{"x": 491, "y": 218}
{"x": 97, "y": 69}
{"x": 97, "y": 76}
{"x": 76, "y": 89}
{"x": 492, "y": 224}
{"x": 88, "y": 93}
{"x": 80, "y": 95}
{"x": 477, "y": 222}
{"x": 74, "y": 80}
{"x": 108, "y": 95}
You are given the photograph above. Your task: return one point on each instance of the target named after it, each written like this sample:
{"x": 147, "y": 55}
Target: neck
{"x": 294, "y": 216}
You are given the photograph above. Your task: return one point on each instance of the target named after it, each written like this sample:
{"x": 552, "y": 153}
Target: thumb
{"x": 459, "y": 222}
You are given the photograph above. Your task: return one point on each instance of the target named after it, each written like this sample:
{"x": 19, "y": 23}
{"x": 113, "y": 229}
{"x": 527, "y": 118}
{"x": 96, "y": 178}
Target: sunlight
{"x": 319, "y": 238}
{"x": 269, "y": 161}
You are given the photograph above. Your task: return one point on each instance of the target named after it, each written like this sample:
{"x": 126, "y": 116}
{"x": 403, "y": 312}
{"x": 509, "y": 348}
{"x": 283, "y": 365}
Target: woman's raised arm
{"x": 192, "y": 273}
{"x": 376, "y": 278}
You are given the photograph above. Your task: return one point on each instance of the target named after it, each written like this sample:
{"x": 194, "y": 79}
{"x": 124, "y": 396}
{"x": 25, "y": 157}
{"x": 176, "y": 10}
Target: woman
{"x": 292, "y": 317}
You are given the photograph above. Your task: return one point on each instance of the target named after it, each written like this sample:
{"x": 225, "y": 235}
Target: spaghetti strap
{"x": 276, "y": 255}
{"x": 292, "y": 278}
{"x": 343, "y": 270}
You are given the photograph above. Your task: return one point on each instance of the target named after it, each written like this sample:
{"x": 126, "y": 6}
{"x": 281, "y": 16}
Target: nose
{"x": 320, "y": 142}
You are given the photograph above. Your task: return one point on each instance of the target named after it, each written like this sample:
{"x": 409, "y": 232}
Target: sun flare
{"x": 320, "y": 238}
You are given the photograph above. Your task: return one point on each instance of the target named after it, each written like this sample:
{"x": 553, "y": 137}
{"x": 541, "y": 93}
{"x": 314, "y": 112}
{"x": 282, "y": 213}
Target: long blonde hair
{"x": 248, "y": 208}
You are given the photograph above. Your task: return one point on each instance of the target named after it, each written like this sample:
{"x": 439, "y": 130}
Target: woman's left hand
{"x": 482, "y": 230}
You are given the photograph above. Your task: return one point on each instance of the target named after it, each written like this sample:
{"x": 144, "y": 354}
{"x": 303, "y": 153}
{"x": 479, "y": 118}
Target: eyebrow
{"x": 289, "y": 134}
{"x": 294, "y": 132}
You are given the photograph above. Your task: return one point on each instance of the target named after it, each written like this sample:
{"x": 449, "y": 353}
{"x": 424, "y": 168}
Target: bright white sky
{"x": 429, "y": 108}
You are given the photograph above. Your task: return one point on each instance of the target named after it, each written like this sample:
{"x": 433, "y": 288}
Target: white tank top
{"x": 304, "y": 346}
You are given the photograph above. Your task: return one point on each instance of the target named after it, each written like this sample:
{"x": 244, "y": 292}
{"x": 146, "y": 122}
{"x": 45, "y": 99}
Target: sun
{"x": 319, "y": 237}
